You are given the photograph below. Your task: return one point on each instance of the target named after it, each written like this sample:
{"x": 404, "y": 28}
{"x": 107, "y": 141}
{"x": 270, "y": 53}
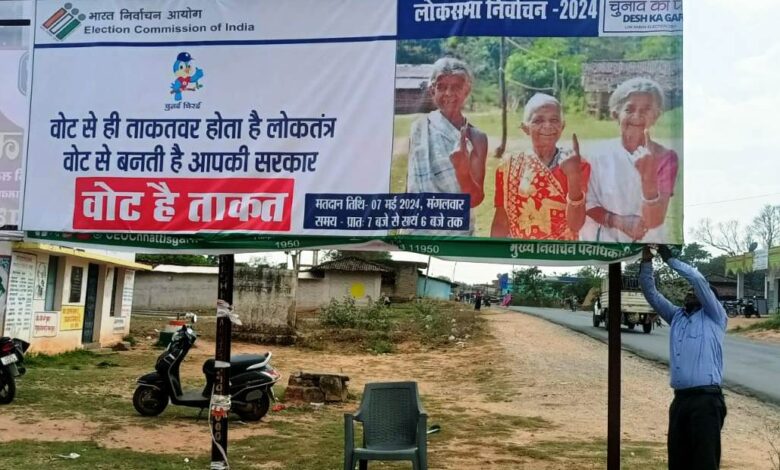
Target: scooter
{"x": 11, "y": 366}
{"x": 251, "y": 381}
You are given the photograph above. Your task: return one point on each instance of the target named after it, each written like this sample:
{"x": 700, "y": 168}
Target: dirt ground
{"x": 535, "y": 370}
{"x": 575, "y": 373}
{"x": 772, "y": 336}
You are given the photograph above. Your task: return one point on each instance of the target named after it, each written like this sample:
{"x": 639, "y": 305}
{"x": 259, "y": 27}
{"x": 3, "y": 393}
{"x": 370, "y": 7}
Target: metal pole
{"x": 219, "y": 421}
{"x": 614, "y": 379}
{"x": 425, "y": 282}
{"x": 292, "y": 316}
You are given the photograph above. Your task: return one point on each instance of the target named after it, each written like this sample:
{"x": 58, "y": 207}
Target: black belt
{"x": 705, "y": 390}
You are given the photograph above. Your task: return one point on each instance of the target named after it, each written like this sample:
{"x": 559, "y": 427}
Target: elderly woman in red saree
{"x": 540, "y": 194}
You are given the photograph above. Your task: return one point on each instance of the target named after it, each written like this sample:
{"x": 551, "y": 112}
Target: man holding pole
{"x": 696, "y": 363}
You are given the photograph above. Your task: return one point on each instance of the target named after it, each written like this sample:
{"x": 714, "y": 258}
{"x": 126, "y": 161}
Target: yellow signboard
{"x": 72, "y": 317}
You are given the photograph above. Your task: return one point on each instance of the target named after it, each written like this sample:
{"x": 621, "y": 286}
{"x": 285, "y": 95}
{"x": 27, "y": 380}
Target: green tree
{"x": 656, "y": 47}
{"x": 527, "y": 282}
{"x": 695, "y": 254}
{"x": 550, "y": 64}
{"x": 422, "y": 51}
{"x": 589, "y": 277}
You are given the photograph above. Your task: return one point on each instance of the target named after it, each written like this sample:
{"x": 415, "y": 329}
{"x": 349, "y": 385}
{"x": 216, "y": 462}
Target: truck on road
{"x": 634, "y": 309}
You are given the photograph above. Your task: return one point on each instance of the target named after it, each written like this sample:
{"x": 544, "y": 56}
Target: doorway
{"x": 90, "y": 304}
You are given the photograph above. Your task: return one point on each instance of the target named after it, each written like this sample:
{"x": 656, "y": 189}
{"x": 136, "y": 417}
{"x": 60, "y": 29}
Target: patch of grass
{"x": 772, "y": 323}
{"x": 130, "y": 339}
{"x": 381, "y": 345}
{"x": 30, "y": 455}
{"x": 94, "y": 387}
{"x": 76, "y": 360}
{"x": 379, "y": 329}
{"x": 458, "y": 423}
{"x": 593, "y": 453}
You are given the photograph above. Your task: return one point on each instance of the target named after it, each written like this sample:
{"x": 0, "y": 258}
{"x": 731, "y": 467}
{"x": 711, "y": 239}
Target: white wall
{"x": 312, "y": 293}
{"x": 103, "y": 329}
{"x": 111, "y": 329}
{"x": 68, "y": 339}
{"x": 175, "y": 292}
{"x": 348, "y": 284}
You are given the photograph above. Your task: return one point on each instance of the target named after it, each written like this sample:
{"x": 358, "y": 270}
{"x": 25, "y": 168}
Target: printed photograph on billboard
{"x": 591, "y": 148}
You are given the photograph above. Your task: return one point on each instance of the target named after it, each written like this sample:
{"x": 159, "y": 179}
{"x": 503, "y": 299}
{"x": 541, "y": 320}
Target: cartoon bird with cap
{"x": 186, "y": 79}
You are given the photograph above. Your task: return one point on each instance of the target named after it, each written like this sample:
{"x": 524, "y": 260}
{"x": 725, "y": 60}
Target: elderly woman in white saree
{"x": 447, "y": 154}
{"x": 633, "y": 177}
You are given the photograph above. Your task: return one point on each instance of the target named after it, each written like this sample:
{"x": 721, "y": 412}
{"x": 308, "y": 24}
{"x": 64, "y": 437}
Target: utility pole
{"x": 220, "y": 400}
{"x": 613, "y": 370}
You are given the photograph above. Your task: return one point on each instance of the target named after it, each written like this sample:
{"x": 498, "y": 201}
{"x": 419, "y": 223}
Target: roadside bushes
{"x": 380, "y": 329}
{"x": 346, "y": 314}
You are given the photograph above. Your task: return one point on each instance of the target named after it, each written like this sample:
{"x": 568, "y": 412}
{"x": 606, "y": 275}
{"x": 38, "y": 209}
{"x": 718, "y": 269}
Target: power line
{"x": 732, "y": 200}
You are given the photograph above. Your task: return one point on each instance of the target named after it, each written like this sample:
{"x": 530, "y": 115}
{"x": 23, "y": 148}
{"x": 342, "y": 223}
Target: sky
{"x": 732, "y": 120}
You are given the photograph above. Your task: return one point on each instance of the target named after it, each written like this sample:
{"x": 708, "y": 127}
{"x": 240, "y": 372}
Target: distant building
{"x": 60, "y": 299}
{"x": 764, "y": 260}
{"x": 411, "y": 89}
{"x": 727, "y": 287}
{"x": 356, "y": 278}
{"x": 435, "y": 288}
{"x": 600, "y": 78}
{"x": 401, "y": 284}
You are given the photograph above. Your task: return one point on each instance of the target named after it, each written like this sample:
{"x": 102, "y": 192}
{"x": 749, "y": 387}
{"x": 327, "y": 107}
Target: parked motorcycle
{"x": 251, "y": 381}
{"x": 746, "y": 306}
{"x": 11, "y": 366}
{"x": 750, "y": 308}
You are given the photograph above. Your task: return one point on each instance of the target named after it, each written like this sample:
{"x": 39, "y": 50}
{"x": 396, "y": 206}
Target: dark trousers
{"x": 695, "y": 420}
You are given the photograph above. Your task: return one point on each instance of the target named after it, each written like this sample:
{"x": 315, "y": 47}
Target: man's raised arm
{"x": 709, "y": 302}
{"x": 656, "y": 300}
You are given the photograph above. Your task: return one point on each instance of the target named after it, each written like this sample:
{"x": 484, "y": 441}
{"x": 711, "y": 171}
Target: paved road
{"x": 750, "y": 367}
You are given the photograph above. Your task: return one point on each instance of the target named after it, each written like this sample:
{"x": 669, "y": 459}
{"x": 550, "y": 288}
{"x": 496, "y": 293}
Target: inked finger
{"x": 575, "y": 144}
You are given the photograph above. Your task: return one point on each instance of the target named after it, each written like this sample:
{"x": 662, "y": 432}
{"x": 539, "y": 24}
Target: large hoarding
{"x": 524, "y": 129}
{"x": 14, "y": 81}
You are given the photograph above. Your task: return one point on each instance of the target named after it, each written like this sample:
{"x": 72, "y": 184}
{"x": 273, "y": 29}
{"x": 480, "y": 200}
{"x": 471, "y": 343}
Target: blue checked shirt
{"x": 696, "y": 345}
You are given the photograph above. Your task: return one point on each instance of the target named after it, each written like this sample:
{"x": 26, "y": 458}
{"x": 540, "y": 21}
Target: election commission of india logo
{"x": 63, "y": 22}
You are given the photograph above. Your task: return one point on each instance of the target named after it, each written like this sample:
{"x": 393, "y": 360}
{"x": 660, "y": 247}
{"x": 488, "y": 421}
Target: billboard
{"x": 14, "y": 82}
{"x": 524, "y": 129}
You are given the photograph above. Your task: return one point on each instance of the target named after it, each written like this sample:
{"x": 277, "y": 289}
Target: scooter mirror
{"x": 194, "y": 318}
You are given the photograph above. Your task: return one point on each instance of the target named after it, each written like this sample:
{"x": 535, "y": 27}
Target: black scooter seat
{"x": 238, "y": 364}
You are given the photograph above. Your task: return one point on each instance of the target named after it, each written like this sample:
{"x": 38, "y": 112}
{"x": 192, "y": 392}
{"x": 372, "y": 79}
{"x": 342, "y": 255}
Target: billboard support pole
{"x": 425, "y": 282}
{"x": 614, "y": 377}
{"x": 220, "y": 399}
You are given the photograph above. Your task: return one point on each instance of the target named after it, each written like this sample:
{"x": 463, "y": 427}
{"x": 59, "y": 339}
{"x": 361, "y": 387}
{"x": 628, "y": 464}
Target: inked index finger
{"x": 576, "y": 144}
